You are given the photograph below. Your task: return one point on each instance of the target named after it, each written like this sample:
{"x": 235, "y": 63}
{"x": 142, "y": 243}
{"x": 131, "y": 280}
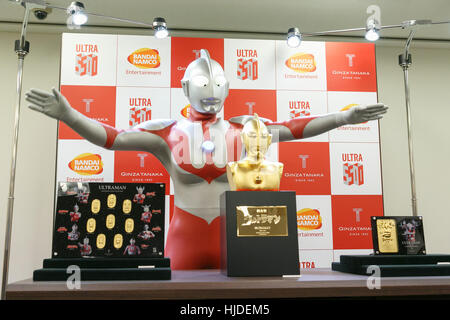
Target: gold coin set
{"x": 115, "y": 220}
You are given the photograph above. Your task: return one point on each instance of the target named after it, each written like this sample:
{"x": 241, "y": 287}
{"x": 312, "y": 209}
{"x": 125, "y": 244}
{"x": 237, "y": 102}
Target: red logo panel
{"x": 137, "y": 166}
{"x": 306, "y": 167}
{"x": 186, "y": 50}
{"x": 351, "y": 66}
{"x": 96, "y": 102}
{"x": 351, "y": 220}
{"x": 242, "y": 102}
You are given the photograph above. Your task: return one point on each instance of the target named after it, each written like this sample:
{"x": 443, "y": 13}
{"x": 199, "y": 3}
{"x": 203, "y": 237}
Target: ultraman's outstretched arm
{"x": 306, "y": 127}
{"x": 56, "y": 106}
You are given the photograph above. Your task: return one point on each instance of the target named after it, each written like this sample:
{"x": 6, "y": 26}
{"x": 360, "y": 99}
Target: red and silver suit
{"x": 195, "y": 152}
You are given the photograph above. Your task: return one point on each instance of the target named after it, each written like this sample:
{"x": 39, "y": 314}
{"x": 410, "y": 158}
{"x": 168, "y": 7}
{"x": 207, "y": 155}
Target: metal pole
{"x": 22, "y": 48}
{"x": 405, "y": 62}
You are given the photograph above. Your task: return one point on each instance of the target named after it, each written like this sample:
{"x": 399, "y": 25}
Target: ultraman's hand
{"x": 360, "y": 114}
{"x": 54, "y": 104}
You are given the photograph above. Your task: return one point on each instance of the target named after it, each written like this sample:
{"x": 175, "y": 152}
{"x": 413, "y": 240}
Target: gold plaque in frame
{"x": 387, "y": 236}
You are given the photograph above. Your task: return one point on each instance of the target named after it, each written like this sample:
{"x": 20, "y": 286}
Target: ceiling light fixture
{"x": 294, "y": 37}
{"x": 160, "y": 27}
{"x": 372, "y": 30}
{"x": 77, "y": 15}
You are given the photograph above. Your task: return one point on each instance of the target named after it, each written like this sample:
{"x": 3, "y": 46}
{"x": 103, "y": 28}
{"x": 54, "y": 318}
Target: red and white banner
{"x": 125, "y": 80}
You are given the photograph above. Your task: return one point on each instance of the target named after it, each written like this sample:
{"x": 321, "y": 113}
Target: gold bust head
{"x": 256, "y": 138}
{"x": 254, "y": 172}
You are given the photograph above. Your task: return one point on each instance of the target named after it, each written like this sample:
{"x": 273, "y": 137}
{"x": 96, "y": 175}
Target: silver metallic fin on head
{"x": 204, "y": 54}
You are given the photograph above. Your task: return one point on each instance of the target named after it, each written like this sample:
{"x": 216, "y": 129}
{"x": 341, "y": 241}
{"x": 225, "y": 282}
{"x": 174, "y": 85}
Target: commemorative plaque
{"x": 258, "y": 222}
{"x": 400, "y": 235}
{"x": 262, "y": 221}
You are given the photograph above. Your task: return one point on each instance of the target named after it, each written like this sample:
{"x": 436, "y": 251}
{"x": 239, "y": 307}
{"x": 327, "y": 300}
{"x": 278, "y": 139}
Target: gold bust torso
{"x": 249, "y": 175}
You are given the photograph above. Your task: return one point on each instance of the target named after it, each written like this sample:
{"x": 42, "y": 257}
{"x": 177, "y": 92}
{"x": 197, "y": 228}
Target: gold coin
{"x": 118, "y": 241}
{"x": 95, "y": 206}
{"x": 129, "y": 225}
{"x": 90, "y": 225}
{"x": 110, "y": 221}
{"x": 101, "y": 241}
{"x": 126, "y": 206}
{"x": 111, "y": 201}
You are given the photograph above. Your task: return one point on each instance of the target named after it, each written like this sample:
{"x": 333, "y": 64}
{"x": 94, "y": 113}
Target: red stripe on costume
{"x": 111, "y": 134}
{"x": 296, "y": 126}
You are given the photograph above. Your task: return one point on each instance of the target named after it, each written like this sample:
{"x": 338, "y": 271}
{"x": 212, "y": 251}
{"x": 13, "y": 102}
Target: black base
{"x": 395, "y": 265}
{"x": 104, "y": 269}
{"x": 258, "y": 255}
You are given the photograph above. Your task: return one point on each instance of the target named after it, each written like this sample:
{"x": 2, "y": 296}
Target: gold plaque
{"x": 90, "y": 225}
{"x": 118, "y": 241}
{"x": 261, "y": 221}
{"x": 387, "y": 236}
{"x": 126, "y": 206}
{"x": 101, "y": 241}
{"x": 111, "y": 201}
{"x": 129, "y": 225}
{"x": 95, "y": 206}
{"x": 110, "y": 221}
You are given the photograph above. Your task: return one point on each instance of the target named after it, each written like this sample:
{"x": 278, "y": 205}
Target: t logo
{"x": 350, "y": 57}
{"x": 357, "y": 214}
{"x": 142, "y": 156}
{"x": 303, "y": 157}
{"x": 88, "y": 104}
{"x": 197, "y": 53}
{"x": 250, "y": 107}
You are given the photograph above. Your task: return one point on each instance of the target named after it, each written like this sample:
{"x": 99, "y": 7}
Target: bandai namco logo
{"x": 301, "y": 62}
{"x": 87, "y": 164}
{"x": 145, "y": 58}
{"x": 309, "y": 219}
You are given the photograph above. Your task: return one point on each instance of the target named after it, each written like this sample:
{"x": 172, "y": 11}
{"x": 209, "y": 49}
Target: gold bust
{"x": 254, "y": 172}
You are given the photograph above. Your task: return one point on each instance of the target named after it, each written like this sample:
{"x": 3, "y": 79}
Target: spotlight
{"x": 372, "y": 29}
{"x": 294, "y": 37}
{"x": 77, "y": 15}
{"x": 160, "y": 27}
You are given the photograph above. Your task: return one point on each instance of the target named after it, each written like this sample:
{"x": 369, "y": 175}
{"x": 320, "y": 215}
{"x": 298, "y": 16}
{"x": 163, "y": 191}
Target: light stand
{"x": 21, "y": 47}
{"x": 404, "y": 60}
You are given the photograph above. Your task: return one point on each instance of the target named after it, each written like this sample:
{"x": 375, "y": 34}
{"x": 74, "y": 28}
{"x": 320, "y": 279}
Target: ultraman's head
{"x": 256, "y": 138}
{"x": 140, "y": 190}
{"x": 86, "y": 241}
{"x": 76, "y": 208}
{"x": 205, "y": 85}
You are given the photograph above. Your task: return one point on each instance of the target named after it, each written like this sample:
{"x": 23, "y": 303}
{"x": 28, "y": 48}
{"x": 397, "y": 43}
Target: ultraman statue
{"x": 195, "y": 152}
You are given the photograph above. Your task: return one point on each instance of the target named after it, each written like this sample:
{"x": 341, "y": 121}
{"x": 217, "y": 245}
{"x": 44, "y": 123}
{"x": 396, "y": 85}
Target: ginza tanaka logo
{"x": 309, "y": 219}
{"x": 353, "y": 169}
{"x": 247, "y": 64}
{"x": 86, "y": 60}
{"x": 301, "y": 62}
{"x": 299, "y": 109}
{"x": 87, "y": 164}
{"x": 139, "y": 110}
{"x": 145, "y": 58}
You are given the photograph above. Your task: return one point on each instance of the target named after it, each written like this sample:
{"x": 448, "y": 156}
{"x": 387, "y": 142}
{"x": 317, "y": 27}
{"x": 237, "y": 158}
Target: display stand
{"x": 253, "y": 254}
{"x": 105, "y": 269}
{"x": 395, "y": 265}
